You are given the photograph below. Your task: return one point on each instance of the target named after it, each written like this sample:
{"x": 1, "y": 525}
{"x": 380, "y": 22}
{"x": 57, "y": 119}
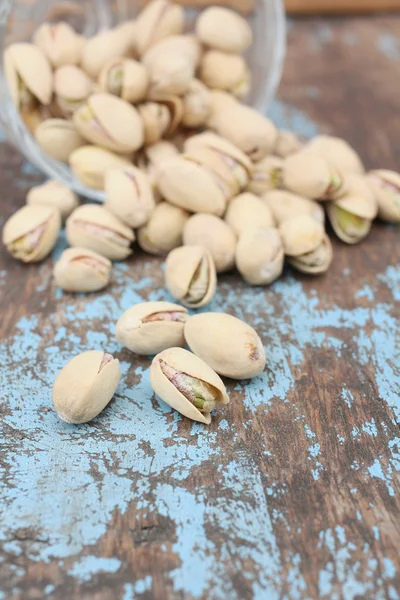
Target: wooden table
{"x": 293, "y": 491}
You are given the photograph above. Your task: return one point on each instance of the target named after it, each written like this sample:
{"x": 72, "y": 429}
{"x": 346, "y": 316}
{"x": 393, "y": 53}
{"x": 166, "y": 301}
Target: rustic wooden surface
{"x": 293, "y": 491}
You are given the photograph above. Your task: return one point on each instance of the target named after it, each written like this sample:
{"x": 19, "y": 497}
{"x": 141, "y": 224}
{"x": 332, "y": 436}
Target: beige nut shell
{"x": 197, "y": 104}
{"x": 60, "y": 43}
{"x": 301, "y": 234}
{"x": 339, "y": 154}
{"x": 223, "y": 71}
{"x": 266, "y": 175}
{"x": 248, "y": 211}
{"x": 90, "y": 164}
{"x": 129, "y": 195}
{"x": 134, "y": 82}
{"x": 104, "y": 46}
{"x": 316, "y": 262}
{"x": 306, "y": 175}
{"x": 356, "y": 227}
{"x": 287, "y": 144}
{"x": 82, "y": 270}
{"x": 211, "y": 141}
{"x": 158, "y": 20}
{"x": 181, "y": 266}
{"x": 359, "y": 199}
{"x": 386, "y": 188}
{"x": 223, "y": 29}
{"x": 59, "y": 138}
{"x": 285, "y": 205}
{"x": 55, "y": 194}
{"x": 216, "y": 235}
{"x": 260, "y": 255}
{"x": 29, "y": 62}
{"x": 163, "y": 231}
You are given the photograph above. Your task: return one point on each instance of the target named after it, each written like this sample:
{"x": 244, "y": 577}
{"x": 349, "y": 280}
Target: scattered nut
{"x": 212, "y": 233}
{"x": 55, "y": 194}
{"x": 260, "y": 255}
{"x": 163, "y": 231}
{"x": 190, "y": 275}
{"x": 248, "y": 211}
{"x": 129, "y": 195}
{"x": 81, "y": 270}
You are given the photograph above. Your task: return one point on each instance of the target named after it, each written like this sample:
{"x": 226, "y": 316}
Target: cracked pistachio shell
{"x": 385, "y": 186}
{"x": 129, "y": 195}
{"x": 238, "y": 353}
{"x": 59, "y": 43}
{"x": 125, "y": 78}
{"x": 28, "y": 73}
{"x": 230, "y": 154}
{"x": 339, "y": 154}
{"x": 31, "y": 233}
{"x": 223, "y": 173}
{"x": 223, "y": 71}
{"x": 287, "y": 144}
{"x": 197, "y": 104}
{"x": 191, "y": 186}
{"x": 266, "y": 175}
{"x": 170, "y": 74}
{"x": 223, "y": 29}
{"x": 349, "y": 227}
{"x": 216, "y": 235}
{"x": 104, "y": 46}
{"x": 248, "y": 211}
{"x": 55, "y": 194}
{"x": 150, "y": 157}
{"x": 93, "y": 226}
{"x": 59, "y": 138}
{"x": 285, "y": 205}
{"x": 82, "y": 270}
{"x": 301, "y": 235}
{"x": 312, "y": 176}
{"x": 186, "y": 45}
{"x": 190, "y": 275}
{"x": 187, "y": 384}
{"x": 72, "y": 88}
{"x": 110, "y": 122}
{"x": 163, "y": 231}
{"x": 151, "y": 327}
{"x": 158, "y": 20}
{"x": 315, "y": 262}
{"x": 90, "y": 164}
{"x": 85, "y": 386}
{"x": 160, "y": 118}
{"x": 359, "y": 199}
{"x": 260, "y": 255}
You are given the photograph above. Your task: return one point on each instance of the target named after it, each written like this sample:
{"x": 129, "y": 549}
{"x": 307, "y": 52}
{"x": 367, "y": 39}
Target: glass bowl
{"x": 20, "y": 18}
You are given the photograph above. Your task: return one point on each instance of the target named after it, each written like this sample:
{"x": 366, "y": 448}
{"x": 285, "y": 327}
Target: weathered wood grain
{"x": 293, "y": 491}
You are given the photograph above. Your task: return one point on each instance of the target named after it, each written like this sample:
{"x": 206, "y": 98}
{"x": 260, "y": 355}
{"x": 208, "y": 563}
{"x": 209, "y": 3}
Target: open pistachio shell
{"x": 230, "y": 154}
{"x": 125, "y": 78}
{"x": 163, "y": 231}
{"x": 315, "y": 262}
{"x": 59, "y": 43}
{"x": 158, "y": 20}
{"x": 359, "y": 198}
{"x": 85, "y": 386}
{"x": 90, "y": 164}
{"x": 156, "y": 119}
{"x": 28, "y": 72}
{"x": 229, "y": 177}
{"x": 151, "y": 327}
{"x": 72, "y": 87}
{"x": 82, "y": 270}
{"x": 223, "y": 71}
{"x": 260, "y": 255}
{"x": 187, "y": 384}
{"x": 285, "y": 205}
{"x": 216, "y": 235}
{"x": 55, "y": 194}
{"x": 103, "y": 47}
{"x": 129, "y": 195}
{"x": 170, "y": 74}
{"x": 190, "y": 275}
{"x": 287, "y": 144}
{"x": 196, "y": 104}
{"x": 223, "y": 29}
{"x": 385, "y": 186}
{"x": 349, "y": 227}
{"x": 238, "y": 353}
{"x": 339, "y": 154}
{"x": 59, "y": 138}
{"x": 248, "y": 211}
{"x": 301, "y": 234}
{"x": 187, "y": 45}
{"x": 266, "y": 175}
{"x": 30, "y": 234}
{"x": 311, "y": 176}
{"x": 94, "y": 227}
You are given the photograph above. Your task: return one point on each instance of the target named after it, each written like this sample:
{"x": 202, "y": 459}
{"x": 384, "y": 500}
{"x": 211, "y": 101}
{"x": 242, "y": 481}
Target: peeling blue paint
{"x": 88, "y": 566}
{"x": 389, "y": 45}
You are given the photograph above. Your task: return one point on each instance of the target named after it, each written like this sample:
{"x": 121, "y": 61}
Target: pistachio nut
{"x": 339, "y": 154}
{"x": 158, "y": 20}
{"x": 151, "y": 327}
{"x": 238, "y": 353}
{"x": 223, "y": 71}
{"x": 248, "y": 211}
{"x": 29, "y": 75}
{"x": 110, "y": 122}
{"x": 129, "y": 195}
{"x": 59, "y": 138}
{"x": 223, "y": 29}
{"x": 285, "y": 205}
{"x": 55, "y": 194}
{"x": 125, "y": 78}
{"x": 186, "y": 45}
{"x": 266, "y": 175}
{"x": 163, "y": 231}
{"x": 349, "y": 227}
{"x": 315, "y": 262}
{"x": 220, "y": 101}
{"x": 197, "y": 104}
{"x": 223, "y": 174}
{"x": 386, "y": 187}
{"x": 81, "y": 270}
{"x": 216, "y": 235}
{"x": 72, "y": 88}
{"x": 187, "y": 384}
{"x": 312, "y": 176}
{"x": 287, "y": 143}
{"x": 301, "y": 234}
{"x": 90, "y": 164}
{"x": 190, "y": 275}
{"x": 30, "y": 234}
{"x": 170, "y": 74}
{"x": 160, "y": 118}
{"x": 104, "y": 46}
{"x": 191, "y": 186}
{"x": 150, "y": 157}
{"x": 260, "y": 255}
{"x": 85, "y": 386}
{"x": 59, "y": 43}
{"x": 93, "y": 226}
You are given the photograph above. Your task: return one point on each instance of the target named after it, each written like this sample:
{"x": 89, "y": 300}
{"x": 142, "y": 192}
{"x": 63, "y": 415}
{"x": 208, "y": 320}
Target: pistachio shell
{"x": 158, "y": 20}
{"x": 26, "y": 63}
{"x": 223, "y": 29}
{"x": 229, "y": 176}
{"x": 285, "y": 205}
{"x": 163, "y": 231}
{"x": 186, "y": 45}
{"x": 349, "y": 227}
{"x": 190, "y": 275}
{"x": 125, "y": 78}
{"x": 311, "y": 176}
{"x": 223, "y": 71}
{"x": 94, "y": 227}
{"x": 339, "y": 154}
{"x": 150, "y": 157}
{"x": 72, "y": 87}
{"x": 238, "y": 353}
{"x": 197, "y": 104}
{"x": 315, "y": 262}
{"x": 81, "y": 270}
{"x": 31, "y": 233}
{"x": 220, "y": 101}
{"x": 59, "y": 43}
{"x": 90, "y": 164}
{"x": 266, "y": 175}
{"x": 260, "y": 255}
{"x": 385, "y": 186}
{"x": 156, "y": 119}
{"x": 359, "y": 199}
{"x": 212, "y": 233}
{"x": 183, "y": 380}
{"x": 170, "y": 74}
{"x": 129, "y": 195}
{"x": 287, "y": 144}
{"x": 101, "y": 48}
{"x": 301, "y": 234}
{"x": 59, "y": 138}
{"x": 151, "y": 327}
{"x": 85, "y": 386}
{"x": 110, "y": 122}
{"x": 248, "y": 211}
{"x": 55, "y": 194}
